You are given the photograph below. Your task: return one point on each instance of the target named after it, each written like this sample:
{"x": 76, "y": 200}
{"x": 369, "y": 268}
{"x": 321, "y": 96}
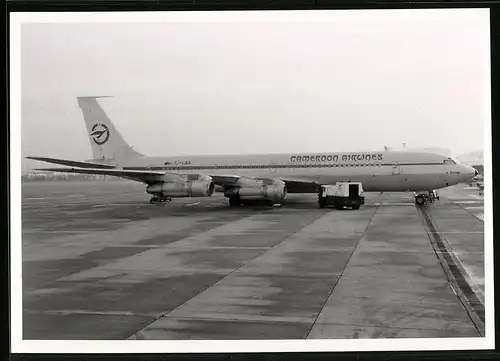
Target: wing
{"x": 153, "y": 176}
{"x": 144, "y": 176}
{"x": 73, "y": 163}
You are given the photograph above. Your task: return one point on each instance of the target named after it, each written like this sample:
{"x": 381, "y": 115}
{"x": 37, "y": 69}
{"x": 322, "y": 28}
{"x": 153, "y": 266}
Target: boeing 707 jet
{"x": 262, "y": 177}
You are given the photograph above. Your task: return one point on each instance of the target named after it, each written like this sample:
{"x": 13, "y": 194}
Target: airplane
{"x": 266, "y": 178}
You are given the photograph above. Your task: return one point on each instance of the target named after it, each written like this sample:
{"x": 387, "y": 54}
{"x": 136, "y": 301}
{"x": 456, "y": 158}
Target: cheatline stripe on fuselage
{"x": 272, "y": 166}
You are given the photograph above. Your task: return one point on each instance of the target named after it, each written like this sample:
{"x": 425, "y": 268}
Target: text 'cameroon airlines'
{"x": 263, "y": 177}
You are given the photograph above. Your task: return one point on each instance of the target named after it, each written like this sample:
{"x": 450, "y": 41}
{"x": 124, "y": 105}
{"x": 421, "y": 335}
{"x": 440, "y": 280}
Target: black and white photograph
{"x": 263, "y": 180}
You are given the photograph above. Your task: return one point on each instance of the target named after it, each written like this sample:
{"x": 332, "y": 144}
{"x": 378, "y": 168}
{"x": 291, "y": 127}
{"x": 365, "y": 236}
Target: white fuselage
{"x": 377, "y": 171}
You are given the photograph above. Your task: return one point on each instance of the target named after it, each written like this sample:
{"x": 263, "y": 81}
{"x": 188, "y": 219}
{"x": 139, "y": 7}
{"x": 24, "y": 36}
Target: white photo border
{"x": 18, "y": 345}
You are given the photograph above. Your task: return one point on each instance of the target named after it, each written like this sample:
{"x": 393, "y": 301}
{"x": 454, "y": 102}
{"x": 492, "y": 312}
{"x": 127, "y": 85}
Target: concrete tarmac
{"x": 100, "y": 262}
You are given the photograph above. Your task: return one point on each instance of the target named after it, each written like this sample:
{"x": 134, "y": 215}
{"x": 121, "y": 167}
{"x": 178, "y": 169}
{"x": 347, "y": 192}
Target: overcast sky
{"x": 254, "y": 87}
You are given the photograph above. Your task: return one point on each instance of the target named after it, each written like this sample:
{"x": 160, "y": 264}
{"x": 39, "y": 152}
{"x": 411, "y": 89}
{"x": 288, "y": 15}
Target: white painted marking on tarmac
{"x": 191, "y": 204}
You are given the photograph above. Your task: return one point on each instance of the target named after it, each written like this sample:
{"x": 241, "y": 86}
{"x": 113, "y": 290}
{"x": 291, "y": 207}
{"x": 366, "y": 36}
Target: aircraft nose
{"x": 468, "y": 172}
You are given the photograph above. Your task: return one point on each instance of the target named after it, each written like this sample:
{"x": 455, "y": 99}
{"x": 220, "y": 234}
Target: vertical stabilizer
{"x": 106, "y": 142}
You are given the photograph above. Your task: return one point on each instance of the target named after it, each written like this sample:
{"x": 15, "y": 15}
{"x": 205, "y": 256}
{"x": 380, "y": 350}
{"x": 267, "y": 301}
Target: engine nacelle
{"x": 201, "y": 187}
{"x": 275, "y": 192}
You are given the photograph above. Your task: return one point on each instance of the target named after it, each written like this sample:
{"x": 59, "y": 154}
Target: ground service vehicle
{"x": 342, "y": 194}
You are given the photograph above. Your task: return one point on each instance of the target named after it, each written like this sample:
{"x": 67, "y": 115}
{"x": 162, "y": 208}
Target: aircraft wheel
{"x": 419, "y": 199}
{"x": 234, "y": 201}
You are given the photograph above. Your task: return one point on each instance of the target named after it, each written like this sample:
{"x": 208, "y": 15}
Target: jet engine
{"x": 202, "y": 187}
{"x": 275, "y": 192}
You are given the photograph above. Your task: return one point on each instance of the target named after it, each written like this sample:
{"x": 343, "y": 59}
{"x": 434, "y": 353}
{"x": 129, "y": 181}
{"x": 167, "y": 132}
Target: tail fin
{"x": 105, "y": 140}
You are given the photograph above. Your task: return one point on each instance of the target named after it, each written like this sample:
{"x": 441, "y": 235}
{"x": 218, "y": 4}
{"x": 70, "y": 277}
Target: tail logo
{"x": 100, "y": 133}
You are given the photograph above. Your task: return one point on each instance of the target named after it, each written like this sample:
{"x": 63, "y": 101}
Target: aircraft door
{"x": 396, "y": 169}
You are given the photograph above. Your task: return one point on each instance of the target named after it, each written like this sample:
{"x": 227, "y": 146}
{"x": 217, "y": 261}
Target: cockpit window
{"x": 449, "y": 161}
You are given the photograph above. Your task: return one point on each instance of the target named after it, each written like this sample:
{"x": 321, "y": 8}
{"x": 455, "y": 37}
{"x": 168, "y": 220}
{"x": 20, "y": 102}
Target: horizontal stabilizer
{"x": 73, "y": 163}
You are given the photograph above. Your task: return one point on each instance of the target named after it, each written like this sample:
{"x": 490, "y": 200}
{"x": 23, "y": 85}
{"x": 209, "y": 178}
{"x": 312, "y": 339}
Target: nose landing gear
{"x": 422, "y": 198}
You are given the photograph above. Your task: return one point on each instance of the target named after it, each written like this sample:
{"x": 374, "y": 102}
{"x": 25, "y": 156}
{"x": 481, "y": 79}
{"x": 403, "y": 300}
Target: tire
{"x": 355, "y": 207}
{"x": 419, "y": 200}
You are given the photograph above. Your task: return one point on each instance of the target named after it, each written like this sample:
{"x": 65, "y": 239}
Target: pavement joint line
{"x": 276, "y": 319}
{"x": 87, "y": 312}
{"x": 455, "y": 273}
{"x": 467, "y": 210}
{"x": 177, "y": 247}
{"x": 341, "y": 274}
{"x": 227, "y": 275}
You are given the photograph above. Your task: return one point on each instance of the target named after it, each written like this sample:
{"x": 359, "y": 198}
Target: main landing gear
{"x": 160, "y": 199}
{"x": 422, "y": 198}
{"x": 234, "y": 201}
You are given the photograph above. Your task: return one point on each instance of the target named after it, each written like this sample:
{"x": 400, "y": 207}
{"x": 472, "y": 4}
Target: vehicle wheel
{"x": 355, "y": 207}
{"x": 419, "y": 200}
